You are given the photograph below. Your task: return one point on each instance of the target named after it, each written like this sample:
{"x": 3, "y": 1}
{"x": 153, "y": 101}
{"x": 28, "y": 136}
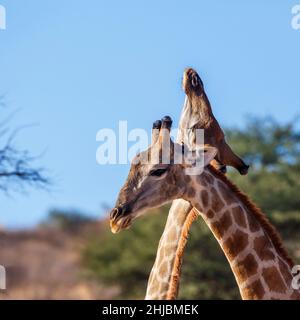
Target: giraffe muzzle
{"x": 120, "y": 219}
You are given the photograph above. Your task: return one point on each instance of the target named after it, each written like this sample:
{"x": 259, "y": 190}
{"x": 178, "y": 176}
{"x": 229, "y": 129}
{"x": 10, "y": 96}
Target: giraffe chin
{"x": 121, "y": 224}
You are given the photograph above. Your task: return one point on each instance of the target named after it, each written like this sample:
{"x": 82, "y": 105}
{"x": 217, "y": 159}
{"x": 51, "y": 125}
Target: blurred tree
{"x": 273, "y": 151}
{"x": 16, "y": 165}
{"x": 273, "y": 183}
{"x": 71, "y": 220}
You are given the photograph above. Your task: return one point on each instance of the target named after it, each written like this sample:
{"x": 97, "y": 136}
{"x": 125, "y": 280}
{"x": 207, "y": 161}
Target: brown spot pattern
{"x": 253, "y": 224}
{"x": 202, "y": 182}
{"x": 226, "y": 193}
{"x": 163, "y": 268}
{"x": 236, "y": 243}
{"x": 191, "y": 193}
{"x": 239, "y": 216}
{"x": 285, "y": 272}
{"x": 254, "y": 291}
{"x": 210, "y": 214}
{"x": 246, "y": 268}
{"x": 273, "y": 279}
{"x": 169, "y": 248}
{"x": 226, "y": 221}
{"x": 217, "y": 230}
{"x": 217, "y": 203}
{"x": 262, "y": 246}
{"x": 221, "y": 226}
{"x": 208, "y": 178}
{"x": 204, "y": 198}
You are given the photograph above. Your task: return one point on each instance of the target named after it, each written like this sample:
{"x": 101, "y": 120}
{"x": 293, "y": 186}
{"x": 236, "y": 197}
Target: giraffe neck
{"x": 201, "y": 108}
{"x": 172, "y": 292}
{"x": 165, "y": 275}
{"x": 260, "y": 265}
{"x": 196, "y": 112}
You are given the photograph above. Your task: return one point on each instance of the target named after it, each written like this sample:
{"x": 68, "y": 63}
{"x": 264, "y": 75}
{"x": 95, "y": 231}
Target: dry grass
{"x": 45, "y": 264}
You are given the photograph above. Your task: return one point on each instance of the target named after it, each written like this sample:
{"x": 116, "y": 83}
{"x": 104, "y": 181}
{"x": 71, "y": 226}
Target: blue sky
{"x": 74, "y": 67}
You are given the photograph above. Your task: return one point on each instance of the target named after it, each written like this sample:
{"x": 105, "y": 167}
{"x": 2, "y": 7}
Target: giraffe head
{"x": 157, "y": 176}
{"x": 191, "y": 82}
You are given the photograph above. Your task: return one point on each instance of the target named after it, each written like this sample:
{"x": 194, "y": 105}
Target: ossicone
{"x": 166, "y": 122}
{"x": 156, "y": 124}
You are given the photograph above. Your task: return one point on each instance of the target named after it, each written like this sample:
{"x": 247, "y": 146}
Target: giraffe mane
{"x": 258, "y": 214}
{"x": 176, "y": 271}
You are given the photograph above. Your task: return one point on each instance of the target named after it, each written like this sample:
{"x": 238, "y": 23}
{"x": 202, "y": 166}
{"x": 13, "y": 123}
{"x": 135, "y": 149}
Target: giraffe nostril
{"x": 114, "y": 213}
{"x": 195, "y": 80}
{"x": 120, "y": 212}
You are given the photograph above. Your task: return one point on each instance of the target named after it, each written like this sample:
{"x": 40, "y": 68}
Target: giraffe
{"x": 197, "y": 113}
{"x": 258, "y": 260}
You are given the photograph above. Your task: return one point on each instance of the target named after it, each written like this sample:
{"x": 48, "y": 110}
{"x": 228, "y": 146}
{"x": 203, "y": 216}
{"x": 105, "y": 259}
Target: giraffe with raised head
{"x": 261, "y": 266}
{"x": 196, "y": 114}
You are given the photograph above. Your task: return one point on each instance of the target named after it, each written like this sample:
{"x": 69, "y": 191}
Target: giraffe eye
{"x": 157, "y": 172}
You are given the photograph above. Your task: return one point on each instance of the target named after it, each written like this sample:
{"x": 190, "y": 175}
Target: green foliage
{"x": 273, "y": 183}
{"x": 264, "y": 142}
{"x": 67, "y": 220}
